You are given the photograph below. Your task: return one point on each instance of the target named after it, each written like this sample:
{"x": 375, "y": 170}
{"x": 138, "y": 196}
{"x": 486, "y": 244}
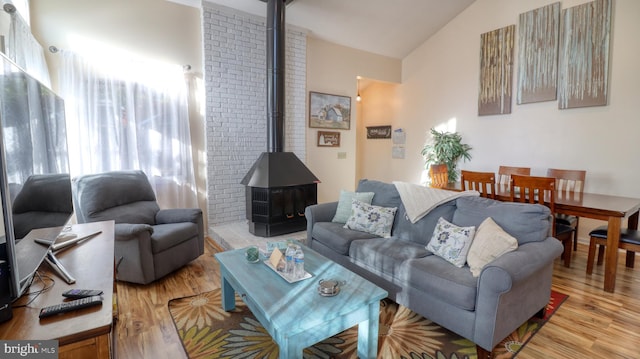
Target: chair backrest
{"x": 569, "y": 183}
{"x": 505, "y": 172}
{"x": 122, "y": 196}
{"x": 439, "y": 174}
{"x": 483, "y": 182}
{"x": 532, "y": 189}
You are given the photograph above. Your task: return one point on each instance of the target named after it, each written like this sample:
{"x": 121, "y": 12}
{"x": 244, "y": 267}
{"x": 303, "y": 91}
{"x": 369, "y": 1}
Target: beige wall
{"x": 333, "y": 69}
{"x": 440, "y": 86}
{"x": 158, "y": 29}
{"x": 440, "y": 83}
{"x": 379, "y": 107}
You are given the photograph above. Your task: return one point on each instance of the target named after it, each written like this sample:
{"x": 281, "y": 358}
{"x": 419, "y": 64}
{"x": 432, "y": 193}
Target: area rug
{"x": 207, "y": 331}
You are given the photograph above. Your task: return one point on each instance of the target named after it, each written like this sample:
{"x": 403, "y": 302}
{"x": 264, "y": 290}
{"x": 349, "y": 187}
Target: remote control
{"x": 69, "y": 306}
{"x": 81, "y": 293}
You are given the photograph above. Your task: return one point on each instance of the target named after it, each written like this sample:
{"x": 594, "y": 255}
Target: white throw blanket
{"x": 419, "y": 200}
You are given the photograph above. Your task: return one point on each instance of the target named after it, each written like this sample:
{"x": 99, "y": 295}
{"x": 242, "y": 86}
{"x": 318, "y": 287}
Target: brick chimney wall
{"x": 235, "y": 103}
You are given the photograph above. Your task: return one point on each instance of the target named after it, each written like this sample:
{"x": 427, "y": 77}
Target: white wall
{"x": 440, "y": 83}
{"x": 333, "y": 69}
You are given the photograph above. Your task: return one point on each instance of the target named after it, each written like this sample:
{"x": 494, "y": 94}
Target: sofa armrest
{"x": 322, "y": 212}
{"x": 513, "y": 288}
{"x": 177, "y": 215}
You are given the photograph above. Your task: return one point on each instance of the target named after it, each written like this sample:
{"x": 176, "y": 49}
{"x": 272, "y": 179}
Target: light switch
{"x": 342, "y": 155}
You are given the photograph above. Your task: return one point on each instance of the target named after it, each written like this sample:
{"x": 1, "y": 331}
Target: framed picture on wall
{"x": 379, "y": 132}
{"x": 329, "y": 111}
{"x": 328, "y": 139}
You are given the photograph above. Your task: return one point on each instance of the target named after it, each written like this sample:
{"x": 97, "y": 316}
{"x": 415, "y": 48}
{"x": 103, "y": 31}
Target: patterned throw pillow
{"x": 490, "y": 242}
{"x": 344, "y": 204}
{"x": 451, "y": 242}
{"x": 371, "y": 219}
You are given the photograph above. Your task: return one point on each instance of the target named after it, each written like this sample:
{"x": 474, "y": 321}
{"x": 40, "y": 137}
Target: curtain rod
{"x": 54, "y": 50}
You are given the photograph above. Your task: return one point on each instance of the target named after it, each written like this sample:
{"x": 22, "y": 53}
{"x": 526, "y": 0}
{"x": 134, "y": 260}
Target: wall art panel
{"x": 496, "y": 71}
{"x": 538, "y": 38}
{"x": 584, "y": 55}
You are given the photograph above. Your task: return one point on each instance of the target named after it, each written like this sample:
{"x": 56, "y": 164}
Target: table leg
{"x": 611, "y": 254}
{"x": 368, "y": 333}
{"x": 285, "y": 352}
{"x": 228, "y": 296}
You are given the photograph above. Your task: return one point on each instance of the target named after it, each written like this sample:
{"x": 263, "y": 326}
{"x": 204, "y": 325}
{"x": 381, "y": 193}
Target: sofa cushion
{"x": 526, "y": 222}
{"x": 385, "y": 256}
{"x": 386, "y": 194}
{"x": 371, "y": 219}
{"x": 344, "y": 204}
{"x": 451, "y": 242}
{"x": 420, "y": 232}
{"x": 441, "y": 279}
{"x": 166, "y": 236}
{"x": 490, "y": 242}
{"x": 336, "y": 237}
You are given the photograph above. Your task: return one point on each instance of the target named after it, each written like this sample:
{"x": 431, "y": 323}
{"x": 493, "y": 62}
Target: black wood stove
{"x": 278, "y": 186}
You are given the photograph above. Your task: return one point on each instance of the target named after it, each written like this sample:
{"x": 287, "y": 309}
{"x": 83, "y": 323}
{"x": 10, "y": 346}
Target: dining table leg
{"x": 632, "y": 224}
{"x": 611, "y": 254}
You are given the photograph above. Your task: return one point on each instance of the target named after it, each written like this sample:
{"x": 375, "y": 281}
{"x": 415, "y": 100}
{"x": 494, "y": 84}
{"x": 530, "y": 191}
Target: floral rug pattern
{"x": 207, "y": 331}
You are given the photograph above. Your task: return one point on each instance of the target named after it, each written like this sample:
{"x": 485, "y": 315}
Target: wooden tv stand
{"x": 84, "y": 333}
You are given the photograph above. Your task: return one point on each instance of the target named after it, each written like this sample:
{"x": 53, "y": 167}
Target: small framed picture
{"x": 328, "y": 139}
{"x": 379, "y": 132}
{"x": 329, "y": 111}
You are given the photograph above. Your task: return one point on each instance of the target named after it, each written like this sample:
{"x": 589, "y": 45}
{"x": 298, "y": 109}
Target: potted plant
{"x": 447, "y": 148}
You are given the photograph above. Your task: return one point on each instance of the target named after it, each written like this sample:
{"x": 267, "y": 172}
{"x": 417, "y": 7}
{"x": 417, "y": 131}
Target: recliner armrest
{"x": 177, "y": 215}
{"x": 127, "y": 231}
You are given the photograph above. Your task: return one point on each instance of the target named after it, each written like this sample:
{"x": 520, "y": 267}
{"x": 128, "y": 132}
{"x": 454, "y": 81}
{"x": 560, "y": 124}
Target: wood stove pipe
{"x": 275, "y": 74}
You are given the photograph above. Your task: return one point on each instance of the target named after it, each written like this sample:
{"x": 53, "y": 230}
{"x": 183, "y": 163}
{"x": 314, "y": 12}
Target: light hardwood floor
{"x": 590, "y": 324}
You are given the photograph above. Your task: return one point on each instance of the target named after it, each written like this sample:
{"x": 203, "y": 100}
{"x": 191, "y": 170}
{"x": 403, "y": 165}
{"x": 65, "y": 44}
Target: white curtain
{"x": 23, "y": 48}
{"x": 129, "y": 114}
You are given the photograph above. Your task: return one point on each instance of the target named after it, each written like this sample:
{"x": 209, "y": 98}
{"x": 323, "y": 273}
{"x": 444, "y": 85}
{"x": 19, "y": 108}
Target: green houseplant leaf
{"x": 446, "y": 147}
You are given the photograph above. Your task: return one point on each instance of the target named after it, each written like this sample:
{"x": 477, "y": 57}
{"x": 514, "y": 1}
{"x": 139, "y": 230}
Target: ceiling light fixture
{"x": 358, "y": 98}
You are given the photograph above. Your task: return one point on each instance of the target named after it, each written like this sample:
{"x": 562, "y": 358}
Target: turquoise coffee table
{"x": 294, "y": 314}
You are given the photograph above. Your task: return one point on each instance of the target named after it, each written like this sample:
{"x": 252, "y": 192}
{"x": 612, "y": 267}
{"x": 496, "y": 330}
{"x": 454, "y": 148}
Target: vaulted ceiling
{"x": 391, "y": 28}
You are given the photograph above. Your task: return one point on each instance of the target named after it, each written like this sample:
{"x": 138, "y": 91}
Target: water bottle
{"x": 299, "y": 263}
{"x": 289, "y": 262}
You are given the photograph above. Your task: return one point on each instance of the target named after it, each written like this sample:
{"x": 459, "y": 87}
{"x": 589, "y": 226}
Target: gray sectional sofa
{"x": 483, "y": 309}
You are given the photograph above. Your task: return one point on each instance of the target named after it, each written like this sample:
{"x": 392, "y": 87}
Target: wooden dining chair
{"x": 439, "y": 175}
{"x": 483, "y": 182}
{"x": 505, "y": 172}
{"x": 629, "y": 241}
{"x": 570, "y": 185}
{"x": 542, "y": 190}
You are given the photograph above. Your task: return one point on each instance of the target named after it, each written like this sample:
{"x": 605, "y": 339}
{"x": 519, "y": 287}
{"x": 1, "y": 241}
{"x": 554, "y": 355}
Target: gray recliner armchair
{"x": 149, "y": 242}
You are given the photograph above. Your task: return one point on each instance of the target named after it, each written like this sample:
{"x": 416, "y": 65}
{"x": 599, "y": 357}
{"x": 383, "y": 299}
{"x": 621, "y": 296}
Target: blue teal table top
{"x": 294, "y": 310}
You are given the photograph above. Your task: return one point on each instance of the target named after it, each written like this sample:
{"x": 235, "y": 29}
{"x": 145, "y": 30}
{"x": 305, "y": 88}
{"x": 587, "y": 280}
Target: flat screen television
{"x": 35, "y": 185}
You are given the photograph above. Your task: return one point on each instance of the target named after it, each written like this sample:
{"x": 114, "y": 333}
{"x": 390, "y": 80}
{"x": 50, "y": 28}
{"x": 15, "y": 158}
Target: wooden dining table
{"x": 613, "y": 209}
